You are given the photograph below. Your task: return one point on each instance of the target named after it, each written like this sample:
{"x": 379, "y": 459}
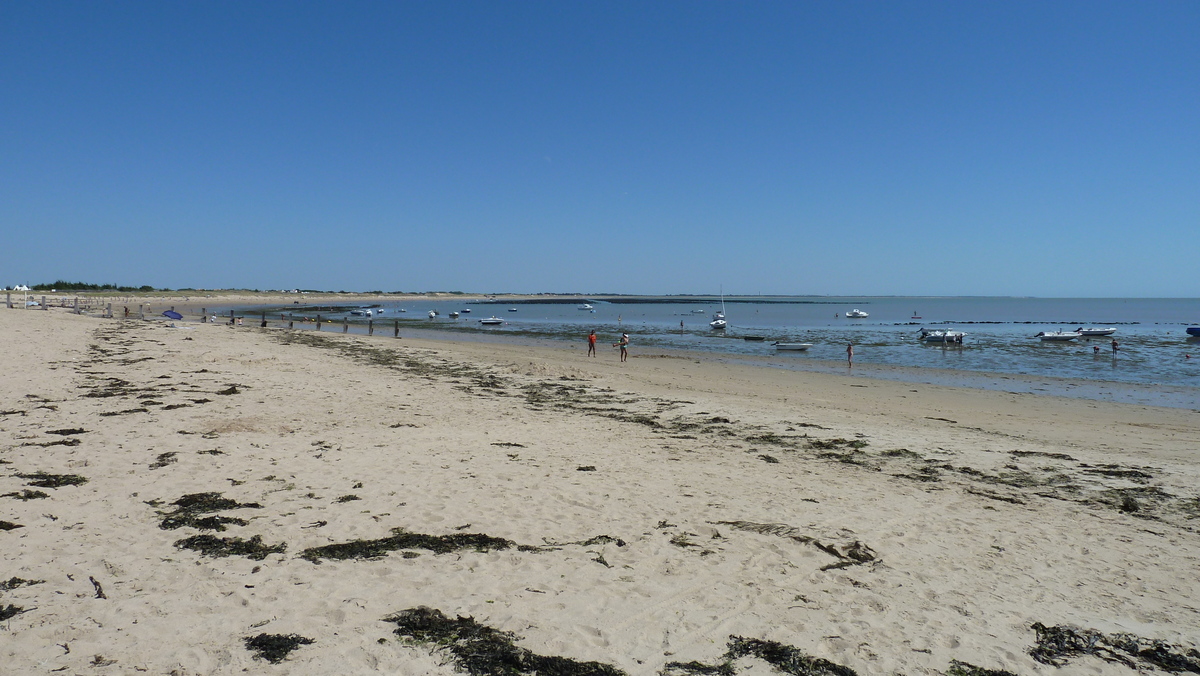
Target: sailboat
{"x": 718, "y": 320}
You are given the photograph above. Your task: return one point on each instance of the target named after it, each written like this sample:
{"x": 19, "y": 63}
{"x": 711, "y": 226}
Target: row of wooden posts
{"x": 292, "y": 322}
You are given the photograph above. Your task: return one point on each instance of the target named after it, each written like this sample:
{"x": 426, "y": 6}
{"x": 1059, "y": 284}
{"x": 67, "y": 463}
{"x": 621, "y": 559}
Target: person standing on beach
{"x": 623, "y": 343}
{"x": 592, "y": 343}
{"x": 850, "y": 355}
{"x": 1114, "y": 347}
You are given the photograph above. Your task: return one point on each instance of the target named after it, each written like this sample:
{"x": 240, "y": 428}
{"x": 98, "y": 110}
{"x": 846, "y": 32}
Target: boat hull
{"x": 1193, "y": 331}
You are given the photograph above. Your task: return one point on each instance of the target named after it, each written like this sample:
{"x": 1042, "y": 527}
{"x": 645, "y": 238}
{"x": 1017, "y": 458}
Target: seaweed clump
{"x": 26, "y": 495}
{"x": 402, "y": 539}
{"x": 189, "y": 508}
{"x": 275, "y": 647}
{"x": 9, "y": 525}
{"x": 15, "y": 582}
{"x": 785, "y": 658}
{"x": 1057, "y": 644}
{"x": 480, "y": 650}
{"x": 211, "y": 545}
{"x": 967, "y": 669}
{"x": 10, "y": 611}
{"x": 44, "y": 480}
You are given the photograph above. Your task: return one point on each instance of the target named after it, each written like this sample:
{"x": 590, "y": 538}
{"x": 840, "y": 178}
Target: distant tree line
{"x": 62, "y": 285}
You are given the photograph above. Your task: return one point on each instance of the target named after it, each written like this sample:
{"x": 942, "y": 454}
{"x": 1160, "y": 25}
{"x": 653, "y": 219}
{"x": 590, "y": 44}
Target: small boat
{"x": 942, "y": 336}
{"x": 466, "y": 310}
{"x": 796, "y": 347}
{"x": 1058, "y": 336}
{"x": 491, "y": 320}
{"x": 403, "y": 310}
{"x": 379, "y": 311}
{"x": 586, "y": 306}
{"x": 718, "y": 321}
{"x": 453, "y": 315}
{"x": 512, "y": 309}
{"x": 432, "y": 314}
{"x": 698, "y": 312}
{"x": 1193, "y": 330}
{"x": 1093, "y": 331}
{"x": 857, "y": 314}
{"x": 359, "y": 313}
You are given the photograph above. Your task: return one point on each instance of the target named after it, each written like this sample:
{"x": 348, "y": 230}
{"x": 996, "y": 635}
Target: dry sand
{"x": 665, "y": 505}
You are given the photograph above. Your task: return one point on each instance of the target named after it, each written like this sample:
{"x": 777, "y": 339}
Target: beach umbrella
{"x": 171, "y": 314}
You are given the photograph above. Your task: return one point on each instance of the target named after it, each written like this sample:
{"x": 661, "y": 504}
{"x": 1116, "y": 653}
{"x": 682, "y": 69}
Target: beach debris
{"x": 1058, "y": 644}
{"x": 26, "y": 495}
{"x": 768, "y": 459}
{"x": 480, "y": 650}
{"x": 851, "y": 553}
{"x": 348, "y": 498}
{"x": 189, "y": 508}
{"x": 586, "y": 468}
{"x": 140, "y": 409}
{"x": 99, "y": 589}
{"x": 508, "y": 444}
{"x": 10, "y": 611}
{"x": 9, "y": 525}
{"x": 164, "y": 459}
{"x": 837, "y": 443}
{"x": 44, "y": 480}
{"x": 274, "y": 648}
{"x": 14, "y": 582}
{"x": 785, "y": 658}
{"x": 402, "y": 539}
{"x": 68, "y": 431}
{"x": 958, "y": 668}
{"x": 232, "y": 389}
{"x": 59, "y": 442}
{"x": 211, "y": 545}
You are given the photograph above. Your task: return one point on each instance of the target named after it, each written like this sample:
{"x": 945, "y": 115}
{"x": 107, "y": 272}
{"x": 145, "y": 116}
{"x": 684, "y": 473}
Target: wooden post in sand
{"x": 76, "y": 304}
{"x": 141, "y": 315}
{"x": 44, "y": 306}
{"x": 318, "y": 322}
{"x": 8, "y": 300}
{"x": 370, "y": 327}
{"x": 291, "y": 324}
{"x": 397, "y": 332}
{"x": 108, "y": 311}
{"x": 345, "y": 325}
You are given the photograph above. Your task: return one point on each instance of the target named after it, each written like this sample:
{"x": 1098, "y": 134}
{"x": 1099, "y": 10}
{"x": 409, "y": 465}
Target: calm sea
{"x": 1000, "y": 335}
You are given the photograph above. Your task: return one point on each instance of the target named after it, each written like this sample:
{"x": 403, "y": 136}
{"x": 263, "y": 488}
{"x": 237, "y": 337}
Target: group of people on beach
{"x": 622, "y": 343}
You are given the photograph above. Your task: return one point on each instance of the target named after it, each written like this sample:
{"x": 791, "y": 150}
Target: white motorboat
{"x": 798, "y": 347}
{"x": 453, "y": 315}
{"x": 359, "y": 313}
{"x": 432, "y": 314}
{"x": 466, "y": 310}
{"x": 857, "y": 314}
{"x": 1059, "y": 336}
{"x": 1094, "y": 331}
{"x": 512, "y": 309}
{"x": 491, "y": 320}
{"x": 942, "y": 336}
{"x": 586, "y": 306}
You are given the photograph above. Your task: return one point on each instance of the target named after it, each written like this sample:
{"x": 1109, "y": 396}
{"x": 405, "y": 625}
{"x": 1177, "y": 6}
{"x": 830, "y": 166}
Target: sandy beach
{"x": 180, "y": 500}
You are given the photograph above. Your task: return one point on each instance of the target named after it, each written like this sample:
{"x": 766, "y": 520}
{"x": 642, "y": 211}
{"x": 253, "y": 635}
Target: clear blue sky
{"x": 846, "y": 148}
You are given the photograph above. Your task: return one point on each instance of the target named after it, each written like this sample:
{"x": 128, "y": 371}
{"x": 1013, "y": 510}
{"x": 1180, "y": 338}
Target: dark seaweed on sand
{"x": 164, "y": 459}
{"x": 10, "y": 611}
{"x": 211, "y": 545}
{"x": 44, "y": 480}
{"x": 26, "y": 495}
{"x": 1058, "y": 644}
{"x": 480, "y": 650}
{"x": 785, "y": 658}
{"x": 189, "y": 508}
{"x": 9, "y": 525}
{"x": 854, "y": 554}
{"x": 15, "y": 582}
{"x": 967, "y": 669}
{"x": 402, "y": 539}
{"x": 275, "y": 647}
